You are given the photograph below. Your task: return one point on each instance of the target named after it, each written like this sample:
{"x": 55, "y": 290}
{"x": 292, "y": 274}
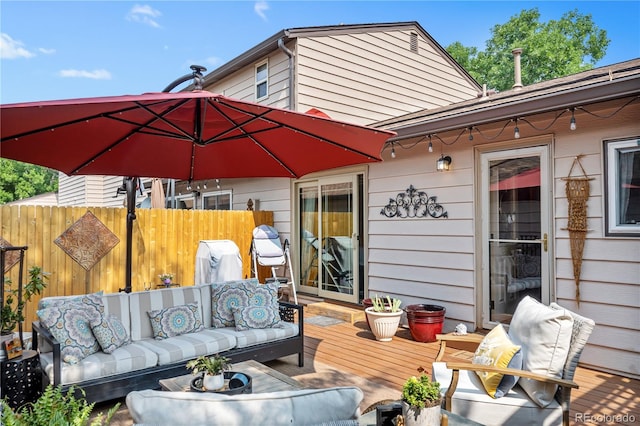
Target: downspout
{"x": 289, "y": 53}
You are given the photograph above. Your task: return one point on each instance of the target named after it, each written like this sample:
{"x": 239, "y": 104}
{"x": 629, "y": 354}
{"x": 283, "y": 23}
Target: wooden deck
{"x": 601, "y": 399}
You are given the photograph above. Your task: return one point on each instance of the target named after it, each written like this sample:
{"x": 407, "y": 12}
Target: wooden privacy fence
{"x": 164, "y": 240}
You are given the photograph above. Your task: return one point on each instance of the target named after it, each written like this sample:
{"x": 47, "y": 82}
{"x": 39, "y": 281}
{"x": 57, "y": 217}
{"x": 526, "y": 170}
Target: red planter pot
{"x": 425, "y": 321}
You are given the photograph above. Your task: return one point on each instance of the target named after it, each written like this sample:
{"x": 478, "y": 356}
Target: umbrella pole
{"x": 131, "y": 216}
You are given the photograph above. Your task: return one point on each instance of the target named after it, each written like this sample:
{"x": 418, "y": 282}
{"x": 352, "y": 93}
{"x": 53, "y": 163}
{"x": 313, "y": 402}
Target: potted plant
{"x": 384, "y": 318}
{"x": 166, "y": 278}
{"x": 213, "y": 368}
{"x": 12, "y": 309}
{"x": 421, "y": 399}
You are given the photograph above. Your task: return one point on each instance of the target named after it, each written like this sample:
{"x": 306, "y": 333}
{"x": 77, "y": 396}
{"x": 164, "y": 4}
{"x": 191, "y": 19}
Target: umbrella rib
{"x": 282, "y": 124}
{"x": 245, "y": 134}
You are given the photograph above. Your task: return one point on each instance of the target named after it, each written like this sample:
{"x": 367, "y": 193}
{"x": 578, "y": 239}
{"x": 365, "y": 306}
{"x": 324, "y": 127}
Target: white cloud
{"x": 95, "y": 74}
{"x": 46, "y": 51}
{"x": 260, "y": 7}
{"x": 213, "y": 61}
{"x": 144, "y": 14}
{"x": 12, "y": 49}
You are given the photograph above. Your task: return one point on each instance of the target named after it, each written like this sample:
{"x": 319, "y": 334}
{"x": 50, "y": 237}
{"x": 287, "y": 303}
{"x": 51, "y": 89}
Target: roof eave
{"x": 519, "y": 106}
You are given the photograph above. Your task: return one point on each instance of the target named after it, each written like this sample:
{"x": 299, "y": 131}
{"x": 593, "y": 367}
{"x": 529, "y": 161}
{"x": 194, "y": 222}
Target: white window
{"x": 622, "y": 163}
{"x": 262, "y": 80}
{"x": 185, "y": 202}
{"x": 218, "y": 200}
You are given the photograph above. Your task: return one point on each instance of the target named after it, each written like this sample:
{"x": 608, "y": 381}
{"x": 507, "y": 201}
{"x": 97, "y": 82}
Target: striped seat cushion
{"x": 189, "y": 346}
{"x": 256, "y": 336}
{"x": 127, "y": 358}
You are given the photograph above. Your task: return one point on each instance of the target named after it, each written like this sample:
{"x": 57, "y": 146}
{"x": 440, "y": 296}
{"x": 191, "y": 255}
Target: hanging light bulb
{"x": 204, "y": 185}
{"x": 430, "y": 144}
{"x": 218, "y": 183}
{"x": 393, "y": 151}
{"x": 470, "y": 134}
{"x": 572, "y": 122}
{"x": 516, "y": 131}
{"x": 189, "y": 186}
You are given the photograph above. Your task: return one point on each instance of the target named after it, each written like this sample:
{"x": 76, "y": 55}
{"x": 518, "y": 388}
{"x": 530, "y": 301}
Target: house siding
{"x": 369, "y": 77}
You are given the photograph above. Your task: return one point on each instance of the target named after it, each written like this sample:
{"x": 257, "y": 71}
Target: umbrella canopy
{"x": 185, "y": 135}
{"x": 527, "y": 179}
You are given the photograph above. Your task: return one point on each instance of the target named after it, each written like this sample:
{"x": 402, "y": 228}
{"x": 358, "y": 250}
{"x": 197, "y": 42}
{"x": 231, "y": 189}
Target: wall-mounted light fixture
{"x": 443, "y": 163}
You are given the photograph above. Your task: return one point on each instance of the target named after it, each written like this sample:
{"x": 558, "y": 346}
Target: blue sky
{"x": 74, "y": 49}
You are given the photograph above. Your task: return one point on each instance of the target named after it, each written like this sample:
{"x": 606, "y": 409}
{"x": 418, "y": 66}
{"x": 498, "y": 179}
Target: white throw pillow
{"x": 545, "y": 336}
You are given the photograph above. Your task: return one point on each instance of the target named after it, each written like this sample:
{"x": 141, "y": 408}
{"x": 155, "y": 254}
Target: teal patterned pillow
{"x": 227, "y": 295}
{"x": 249, "y": 317}
{"x": 265, "y": 295}
{"x": 70, "y": 326}
{"x": 176, "y": 320}
{"x": 92, "y": 302}
{"x": 110, "y": 333}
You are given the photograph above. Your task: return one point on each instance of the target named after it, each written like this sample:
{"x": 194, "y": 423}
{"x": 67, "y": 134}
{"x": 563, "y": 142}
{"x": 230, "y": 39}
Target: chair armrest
{"x": 513, "y": 372}
{"x": 42, "y": 332}
{"x": 461, "y": 338}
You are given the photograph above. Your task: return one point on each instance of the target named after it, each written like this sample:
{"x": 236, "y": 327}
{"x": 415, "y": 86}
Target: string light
{"x": 393, "y": 151}
{"x": 469, "y": 130}
{"x": 218, "y": 183}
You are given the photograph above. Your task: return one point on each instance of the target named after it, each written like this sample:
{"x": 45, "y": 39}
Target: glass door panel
{"x": 309, "y": 244}
{"x": 516, "y": 228}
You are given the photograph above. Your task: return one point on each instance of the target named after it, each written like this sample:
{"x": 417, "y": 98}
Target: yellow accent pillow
{"x": 497, "y": 349}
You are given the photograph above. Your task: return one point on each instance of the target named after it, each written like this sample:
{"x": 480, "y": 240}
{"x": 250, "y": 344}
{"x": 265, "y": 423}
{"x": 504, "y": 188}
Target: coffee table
{"x": 369, "y": 419}
{"x": 263, "y": 379}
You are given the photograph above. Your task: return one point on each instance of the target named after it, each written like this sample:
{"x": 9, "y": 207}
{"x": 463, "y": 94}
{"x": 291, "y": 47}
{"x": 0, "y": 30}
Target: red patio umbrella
{"x": 186, "y": 135}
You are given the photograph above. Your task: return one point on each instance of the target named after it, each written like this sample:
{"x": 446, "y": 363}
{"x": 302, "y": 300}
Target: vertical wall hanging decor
{"x": 577, "y": 190}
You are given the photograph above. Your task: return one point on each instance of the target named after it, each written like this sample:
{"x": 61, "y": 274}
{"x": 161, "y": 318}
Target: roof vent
{"x": 413, "y": 44}
{"x": 517, "y": 71}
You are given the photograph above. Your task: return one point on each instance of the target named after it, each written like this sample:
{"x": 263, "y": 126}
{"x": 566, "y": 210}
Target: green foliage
{"x": 213, "y": 365}
{"x": 421, "y": 392}
{"x": 22, "y": 180}
{"x": 389, "y": 305}
{"x": 11, "y": 314}
{"x": 550, "y": 50}
{"x": 55, "y": 408}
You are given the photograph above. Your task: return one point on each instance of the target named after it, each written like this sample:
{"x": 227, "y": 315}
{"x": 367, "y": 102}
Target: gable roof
{"x": 597, "y": 85}
{"x": 271, "y": 44}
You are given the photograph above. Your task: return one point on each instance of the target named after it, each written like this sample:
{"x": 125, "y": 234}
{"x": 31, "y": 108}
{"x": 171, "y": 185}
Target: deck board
{"x": 352, "y": 348}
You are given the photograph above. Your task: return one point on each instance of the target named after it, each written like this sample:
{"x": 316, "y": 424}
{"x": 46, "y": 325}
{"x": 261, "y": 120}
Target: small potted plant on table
{"x": 421, "y": 400}
{"x": 166, "y": 278}
{"x": 213, "y": 368}
{"x": 384, "y": 318}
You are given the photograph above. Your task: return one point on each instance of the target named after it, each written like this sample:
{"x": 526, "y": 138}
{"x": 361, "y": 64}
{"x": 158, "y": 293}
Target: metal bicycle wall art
{"x": 413, "y": 203}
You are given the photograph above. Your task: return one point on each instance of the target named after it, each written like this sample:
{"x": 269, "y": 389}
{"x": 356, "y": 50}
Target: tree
{"x": 21, "y": 180}
{"x": 550, "y": 50}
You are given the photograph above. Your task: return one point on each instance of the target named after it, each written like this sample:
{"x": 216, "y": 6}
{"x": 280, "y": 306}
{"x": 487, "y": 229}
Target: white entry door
{"x": 516, "y": 234}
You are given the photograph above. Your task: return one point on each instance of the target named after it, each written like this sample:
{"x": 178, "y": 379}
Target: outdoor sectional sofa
{"x": 145, "y": 354}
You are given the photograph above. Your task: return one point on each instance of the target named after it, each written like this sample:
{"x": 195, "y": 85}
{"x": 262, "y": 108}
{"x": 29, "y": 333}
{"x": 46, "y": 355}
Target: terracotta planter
{"x": 383, "y": 324}
{"x": 425, "y": 321}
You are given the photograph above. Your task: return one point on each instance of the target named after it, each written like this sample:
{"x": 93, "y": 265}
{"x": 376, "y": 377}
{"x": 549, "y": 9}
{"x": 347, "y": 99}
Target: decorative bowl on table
{"x": 235, "y": 383}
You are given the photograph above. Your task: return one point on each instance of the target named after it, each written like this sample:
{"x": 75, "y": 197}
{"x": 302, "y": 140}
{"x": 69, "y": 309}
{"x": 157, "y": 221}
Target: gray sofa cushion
{"x": 122, "y": 360}
{"x": 299, "y": 407}
{"x": 188, "y": 346}
{"x": 256, "y": 336}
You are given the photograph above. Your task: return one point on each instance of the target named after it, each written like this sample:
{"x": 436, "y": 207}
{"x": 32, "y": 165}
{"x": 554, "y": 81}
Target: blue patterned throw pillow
{"x": 92, "y": 302}
{"x": 176, "y": 320}
{"x": 70, "y": 325}
{"x": 110, "y": 333}
{"x": 236, "y": 294}
{"x": 248, "y": 317}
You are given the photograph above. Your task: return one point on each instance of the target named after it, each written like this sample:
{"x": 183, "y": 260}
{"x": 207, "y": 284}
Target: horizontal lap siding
{"x": 610, "y": 269}
{"x": 424, "y": 260}
{"x": 369, "y": 77}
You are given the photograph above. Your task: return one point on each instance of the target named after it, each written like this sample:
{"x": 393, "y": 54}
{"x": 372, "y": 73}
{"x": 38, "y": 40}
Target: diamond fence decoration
{"x": 11, "y": 257}
{"x": 87, "y": 241}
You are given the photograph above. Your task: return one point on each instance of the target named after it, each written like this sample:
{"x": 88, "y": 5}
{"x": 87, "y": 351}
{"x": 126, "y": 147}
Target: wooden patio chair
{"x": 466, "y": 394}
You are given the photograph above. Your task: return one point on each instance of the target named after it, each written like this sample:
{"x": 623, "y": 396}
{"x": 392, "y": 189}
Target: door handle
{"x": 545, "y": 243}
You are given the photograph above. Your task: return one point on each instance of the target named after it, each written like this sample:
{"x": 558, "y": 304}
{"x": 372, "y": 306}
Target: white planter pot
{"x": 429, "y": 416}
{"x": 210, "y": 382}
{"x": 383, "y": 324}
